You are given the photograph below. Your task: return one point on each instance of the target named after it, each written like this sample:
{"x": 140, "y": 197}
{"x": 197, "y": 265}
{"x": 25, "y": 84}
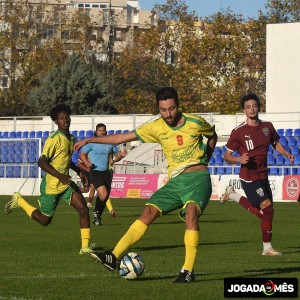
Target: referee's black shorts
{"x": 99, "y": 178}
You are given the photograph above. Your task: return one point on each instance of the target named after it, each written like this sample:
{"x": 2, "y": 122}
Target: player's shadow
{"x": 256, "y": 273}
{"x": 182, "y": 222}
{"x": 217, "y": 221}
{"x": 160, "y": 277}
{"x": 277, "y": 271}
{"x": 131, "y": 216}
{"x": 297, "y": 249}
{"x": 166, "y": 276}
{"x": 162, "y": 247}
{"x": 225, "y": 243}
{"x": 167, "y": 223}
{"x": 137, "y": 249}
{"x": 158, "y": 247}
{"x": 99, "y": 249}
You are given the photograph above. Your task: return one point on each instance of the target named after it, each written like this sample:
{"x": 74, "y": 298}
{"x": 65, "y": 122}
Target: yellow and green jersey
{"x": 183, "y": 145}
{"x": 58, "y": 150}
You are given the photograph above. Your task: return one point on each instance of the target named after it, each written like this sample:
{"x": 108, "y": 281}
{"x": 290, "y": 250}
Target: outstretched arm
{"x": 107, "y": 139}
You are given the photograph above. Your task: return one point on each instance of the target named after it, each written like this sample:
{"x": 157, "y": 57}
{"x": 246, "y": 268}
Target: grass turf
{"x": 43, "y": 262}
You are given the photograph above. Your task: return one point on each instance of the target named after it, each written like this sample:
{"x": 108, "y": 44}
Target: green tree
{"x": 34, "y": 38}
{"x": 232, "y": 58}
{"x": 139, "y": 74}
{"x": 211, "y": 63}
{"x": 30, "y": 49}
{"x": 158, "y": 57}
{"x": 283, "y": 11}
{"x": 73, "y": 83}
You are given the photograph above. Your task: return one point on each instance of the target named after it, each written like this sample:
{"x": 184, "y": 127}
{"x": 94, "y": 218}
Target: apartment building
{"x": 113, "y": 23}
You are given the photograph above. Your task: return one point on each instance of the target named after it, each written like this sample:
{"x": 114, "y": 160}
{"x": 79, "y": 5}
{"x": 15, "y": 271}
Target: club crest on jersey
{"x": 260, "y": 192}
{"x": 265, "y": 131}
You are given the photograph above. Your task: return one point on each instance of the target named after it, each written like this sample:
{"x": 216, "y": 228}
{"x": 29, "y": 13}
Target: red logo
{"x": 292, "y": 187}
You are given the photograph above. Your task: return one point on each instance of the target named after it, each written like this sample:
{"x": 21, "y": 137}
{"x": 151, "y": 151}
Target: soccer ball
{"x": 131, "y": 266}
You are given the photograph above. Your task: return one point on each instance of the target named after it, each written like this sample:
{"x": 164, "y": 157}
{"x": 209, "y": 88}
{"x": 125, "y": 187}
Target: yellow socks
{"x": 26, "y": 206}
{"x": 109, "y": 205}
{"x": 133, "y": 234}
{"x": 191, "y": 241}
{"x": 85, "y": 237}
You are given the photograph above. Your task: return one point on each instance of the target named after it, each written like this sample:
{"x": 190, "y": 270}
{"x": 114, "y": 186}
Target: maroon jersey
{"x": 255, "y": 141}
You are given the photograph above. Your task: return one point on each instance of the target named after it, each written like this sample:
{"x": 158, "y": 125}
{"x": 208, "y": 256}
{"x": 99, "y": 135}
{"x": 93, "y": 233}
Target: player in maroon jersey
{"x": 251, "y": 140}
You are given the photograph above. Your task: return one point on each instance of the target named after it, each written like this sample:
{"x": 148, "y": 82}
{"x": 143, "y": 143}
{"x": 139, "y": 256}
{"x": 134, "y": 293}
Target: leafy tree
{"x": 283, "y": 11}
{"x": 158, "y": 57}
{"x": 139, "y": 73}
{"x": 73, "y": 83}
{"x": 211, "y": 63}
{"x": 33, "y": 38}
{"x": 232, "y": 56}
{"x": 30, "y": 50}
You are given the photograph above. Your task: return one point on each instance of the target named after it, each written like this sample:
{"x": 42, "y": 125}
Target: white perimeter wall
{"x": 30, "y": 187}
{"x": 283, "y": 68}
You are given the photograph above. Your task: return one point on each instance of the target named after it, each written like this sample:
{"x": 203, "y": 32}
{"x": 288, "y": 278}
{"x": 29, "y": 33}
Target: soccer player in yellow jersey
{"x": 56, "y": 184}
{"x": 189, "y": 188}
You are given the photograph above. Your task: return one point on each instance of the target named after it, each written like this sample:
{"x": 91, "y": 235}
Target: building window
{"x": 93, "y": 5}
{"x": 118, "y": 36}
{"x": 170, "y": 57}
{"x": 46, "y": 32}
{"x": 65, "y": 34}
{"x": 105, "y": 16}
{"x": 129, "y": 19}
{"x": 56, "y": 17}
{"x": 4, "y": 82}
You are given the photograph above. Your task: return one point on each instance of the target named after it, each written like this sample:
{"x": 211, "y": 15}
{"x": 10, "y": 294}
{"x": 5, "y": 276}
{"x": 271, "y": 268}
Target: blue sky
{"x": 205, "y": 8}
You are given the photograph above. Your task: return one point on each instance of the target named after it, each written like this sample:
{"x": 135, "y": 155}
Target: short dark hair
{"x": 100, "y": 125}
{"x": 167, "y": 93}
{"x": 250, "y": 96}
{"x": 59, "y": 108}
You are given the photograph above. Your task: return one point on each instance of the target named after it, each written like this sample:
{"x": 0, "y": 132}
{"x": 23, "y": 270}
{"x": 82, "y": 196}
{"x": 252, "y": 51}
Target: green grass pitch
{"x": 43, "y": 262}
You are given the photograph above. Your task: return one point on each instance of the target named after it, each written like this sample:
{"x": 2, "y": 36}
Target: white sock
{"x": 267, "y": 246}
{"x": 235, "y": 197}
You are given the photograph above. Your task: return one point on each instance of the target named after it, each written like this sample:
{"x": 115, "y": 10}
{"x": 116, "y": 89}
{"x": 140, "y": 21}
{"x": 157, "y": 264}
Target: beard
{"x": 173, "y": 121}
